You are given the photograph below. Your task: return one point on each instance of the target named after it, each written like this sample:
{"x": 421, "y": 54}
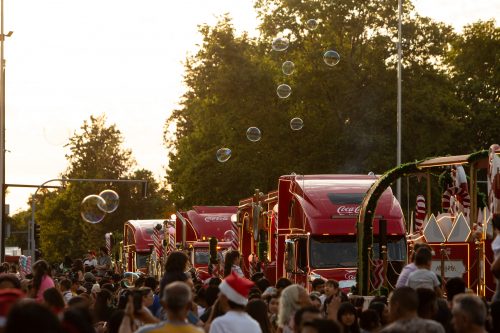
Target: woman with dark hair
{"x": 54, "y": 301}
{"x": 175, "y": 269}
{"x": 232, "y": 263}
{"x": 66, "y": 265}
{"x": 347, "y": 315}
{"x": 257, "y": 309}
{"x": 215, "y": 311}
{"x": 41, "y": 279}
{"x": 77, "y": 269}
{"x": 29, "y": 316}
{"x": 102, "y": 306}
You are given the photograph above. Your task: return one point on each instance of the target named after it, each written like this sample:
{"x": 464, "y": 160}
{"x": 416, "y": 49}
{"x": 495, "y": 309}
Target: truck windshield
{"x": 141, "y": 260}
{"x": 337, "y": 252}
{"x": 201, "y": 257}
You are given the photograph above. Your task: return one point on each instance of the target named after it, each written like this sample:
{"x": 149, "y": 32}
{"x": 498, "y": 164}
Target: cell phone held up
{"x": 137, "y": 299}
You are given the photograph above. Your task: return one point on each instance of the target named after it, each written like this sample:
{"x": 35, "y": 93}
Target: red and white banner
{"x": 157, "y": 243}
{"x": 378, "y": 273}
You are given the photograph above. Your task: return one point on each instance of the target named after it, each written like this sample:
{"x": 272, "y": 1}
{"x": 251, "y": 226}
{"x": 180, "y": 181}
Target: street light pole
{"x": 398, "y": 155}
{"x": 2, "y": 134}
{"x": 31, "y": 227}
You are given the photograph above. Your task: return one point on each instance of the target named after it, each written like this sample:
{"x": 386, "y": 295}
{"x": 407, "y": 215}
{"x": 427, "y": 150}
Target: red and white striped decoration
{"x": 171, "y": 240}
{"x": 420, "y": 214}
{"x": 235, "y": 242}
{"x": 378, "y": 273}
{"x": 157, "y": 243}
{"x": 456, "y": 192}
{"x": 107, "y": 237}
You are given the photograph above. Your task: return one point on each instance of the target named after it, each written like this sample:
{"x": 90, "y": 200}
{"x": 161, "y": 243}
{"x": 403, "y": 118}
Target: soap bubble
{"x": 312, "y": 24}
{"x": 296, "y": 124}
{"x": 331, "y": 58}
{"x": 280, "y": 44}
{"x": 284, "y": 90}
{"x": 288, "y": 67}
{"x": 111, "y": 199}
{"x": 90, "y": 211}
{"x": 253, "y": 134}
{"x": 223, "y": 154}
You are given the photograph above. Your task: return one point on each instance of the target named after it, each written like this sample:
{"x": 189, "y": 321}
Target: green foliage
{"x": 95, "y": 153}
{"x": 475, "y": 71}
{"x": 349, "y": 110}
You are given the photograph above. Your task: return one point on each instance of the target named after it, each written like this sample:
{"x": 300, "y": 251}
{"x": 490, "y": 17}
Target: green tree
{"x": 349, "y": 110}
{"x": 475, "y": 71}
{"x": 95, "y": 153}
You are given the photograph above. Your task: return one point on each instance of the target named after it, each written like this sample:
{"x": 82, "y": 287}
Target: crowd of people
{"x": 84, "y": 296}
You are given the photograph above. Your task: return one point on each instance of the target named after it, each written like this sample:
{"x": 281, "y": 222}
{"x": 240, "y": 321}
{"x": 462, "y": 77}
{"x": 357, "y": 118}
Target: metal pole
{"x": 398, "y": 162}
{"x": 2, "y": 139}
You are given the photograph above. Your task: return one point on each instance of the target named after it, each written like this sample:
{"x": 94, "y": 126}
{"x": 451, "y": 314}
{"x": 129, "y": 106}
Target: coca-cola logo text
{"x": 345, "y": 210}
{"x": 216, "y": 218}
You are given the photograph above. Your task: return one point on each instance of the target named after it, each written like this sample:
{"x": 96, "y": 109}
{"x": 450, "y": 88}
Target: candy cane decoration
{"x": 157, "y": 242}
{"x": 420, "y": 213}
{"x": 171, "y": 240}
{"x": 107, "y": 236}
{"x": 457, "y": 192}
{"x": 235, "y": 242}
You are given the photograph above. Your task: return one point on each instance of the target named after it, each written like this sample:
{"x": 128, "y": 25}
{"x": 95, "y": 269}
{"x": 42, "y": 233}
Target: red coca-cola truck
{"x": 307, "y": 229}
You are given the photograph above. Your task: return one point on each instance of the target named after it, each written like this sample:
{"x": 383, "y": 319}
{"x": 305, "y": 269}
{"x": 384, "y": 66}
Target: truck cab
{"x": 138, "y": 244}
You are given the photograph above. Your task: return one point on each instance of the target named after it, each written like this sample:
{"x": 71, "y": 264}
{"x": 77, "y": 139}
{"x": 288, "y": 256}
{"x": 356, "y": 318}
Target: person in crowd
{"x": 103, "y": 262}
{"x": 292, "y": 299}
{"x": 90, "y": 260}
{"x": 77, "y": 270}
{"x": 315, "y": 300}
{"x": 495, "y": 316}
{"x": 469, "y": 314}
{"x": 66, "y": 265}
{"x": 176, "y": 300}
{"x": 305, "y": 315}
{"x": 216, "y": 310}
{"x": 211, "y": 294}
{"x": 281, "y": 284}
{"x": 113, "y": 325}
{"x": 273, "y": 303}
{"x": 8, "y": 297}
{"x": 152, "y": 283}
{"x": 454, "y": 286}
{"x": 29, "y": 316}
{"x": 53, "y": 299}
{"x": 320, "y": 326}
{"x": 263, "y": 284}
{"x": 79, "y": 320}
{"x": 403, "y": 307}
{"x": 318, "y": 285}
{"x": 8, "y": 281}
{"x": 88, "y": 282}
{"x": 233, "y": 297}
{"x": 175, "y": 269}
{"x": 423, "y": 277}
{"x": 232, "y": 263}
{"x": 347, "y": 316}
{"x": 411, "y": 267}
{"x": 65, "y": 288}
{"x": 427, "y": 303}
{"x": 332, "y": 290}
{"x": 257, "y": 309}
{"x": 103, "y": 308}
{"x": 369, "y": 321}
{"x": 41, "y": 279}
{"x": 495, "y": 246}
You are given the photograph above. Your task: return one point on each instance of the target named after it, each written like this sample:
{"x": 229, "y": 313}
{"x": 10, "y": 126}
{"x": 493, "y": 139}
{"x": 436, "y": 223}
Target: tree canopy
{"x": 349, "y": 110}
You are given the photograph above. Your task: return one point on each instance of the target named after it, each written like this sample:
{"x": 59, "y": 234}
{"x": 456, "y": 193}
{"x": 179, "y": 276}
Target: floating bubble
{"x": 111, "y": 199}
{"x": 296, "y": 124}
{"x": 284, "y": 90}
{"x": 253, "y": 134}
{"x": 280, "y": 44}
{"x": 312, "y": 24}
{"x": 223, "y": 154}
{"x": 90, "y": 211}
{"x": 288, "y": 67}
{"x": 331, "y": 58}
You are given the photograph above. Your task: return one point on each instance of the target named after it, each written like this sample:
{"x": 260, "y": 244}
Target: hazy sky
{"x": 70, "y": 59}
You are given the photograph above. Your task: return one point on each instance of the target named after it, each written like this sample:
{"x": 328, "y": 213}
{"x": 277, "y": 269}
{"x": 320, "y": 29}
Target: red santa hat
{"x": 236, "y": 288}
